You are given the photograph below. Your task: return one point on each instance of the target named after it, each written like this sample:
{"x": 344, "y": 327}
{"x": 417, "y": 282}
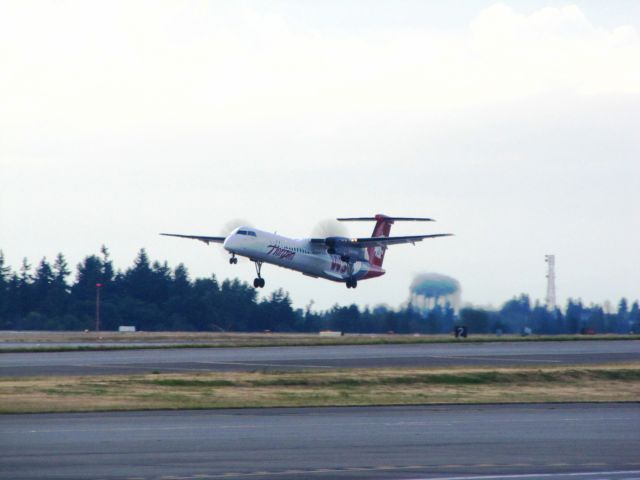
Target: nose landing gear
{"x": 233, "y": 260}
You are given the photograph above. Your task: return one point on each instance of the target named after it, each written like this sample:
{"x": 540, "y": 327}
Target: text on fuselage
{"x": 279, "y": 252}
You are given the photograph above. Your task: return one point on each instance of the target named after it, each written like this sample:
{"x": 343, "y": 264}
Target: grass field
{"x": 54, "y": 341}
{"x": 612, "y": 383}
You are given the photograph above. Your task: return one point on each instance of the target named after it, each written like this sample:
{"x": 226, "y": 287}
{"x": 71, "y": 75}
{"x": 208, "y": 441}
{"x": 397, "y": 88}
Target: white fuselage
{"x": 295, "y": 254}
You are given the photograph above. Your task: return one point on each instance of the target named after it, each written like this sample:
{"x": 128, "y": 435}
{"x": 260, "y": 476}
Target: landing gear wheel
{"x": 258, "y": 282}
{"x": 233, "y": 260}
{"x": 352, "y": 283}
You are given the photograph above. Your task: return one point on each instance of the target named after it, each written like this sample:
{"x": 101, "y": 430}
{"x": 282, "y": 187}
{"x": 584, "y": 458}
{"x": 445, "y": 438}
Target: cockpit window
{"x": 242, "y": 232}
{"x": 249, "y": 232}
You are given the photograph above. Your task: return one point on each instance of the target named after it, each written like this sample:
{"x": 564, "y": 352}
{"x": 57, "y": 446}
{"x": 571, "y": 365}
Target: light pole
{"x": 98, "y": 285}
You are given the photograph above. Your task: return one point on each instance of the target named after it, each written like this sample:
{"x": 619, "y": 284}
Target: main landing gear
{"x": 351, "y": 282}
{"x": 233, "y": 260}
{"x": 258, "y": 282}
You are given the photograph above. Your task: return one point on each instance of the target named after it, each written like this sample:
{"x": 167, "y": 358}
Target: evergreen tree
{"x": 42, "y": 283}
{"x": 180, "y": 300}
{"x": 541, "y": 320}
{"x": 434, "y": 319}
{"x": 622, "y": 317}
{"x": 24, "y": 294}
{"x": 139, "y": 280}
{"x": 181, "y": 283}
{"x": 596, "y": 319}
{"x": 83, "y": 292}
{"x": 311, "y": 322}
{"x": 13, "y": 308}
{"x": 107, "y": 266}
{"x": 238, "y": 307}
{"x": 25, "y": 272}
{"x": 574, "y": 316}
{"x": 60, "y": 271}
{"x": 89, "y": 274}
{"x": 276, "y": 314}
{"x": 210, "y": 310}
{"x": 476, "y": 319}
{"x": 634, "y": 317}
{"x": 59, "y": 296}
{"x": 5, "y": 274}
{"x": 345, "y": 319}
{"x": 517, "y": 313}
{"x": 448, "y": 319}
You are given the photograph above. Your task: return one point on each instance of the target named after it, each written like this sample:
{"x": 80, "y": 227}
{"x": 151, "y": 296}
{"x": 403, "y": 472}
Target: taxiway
{"x": 320, "y": 357}
{"x": 502, "y": 441}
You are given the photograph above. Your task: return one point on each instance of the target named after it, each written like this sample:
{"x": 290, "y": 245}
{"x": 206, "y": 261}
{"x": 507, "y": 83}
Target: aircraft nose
{"x": 229, "y": 243}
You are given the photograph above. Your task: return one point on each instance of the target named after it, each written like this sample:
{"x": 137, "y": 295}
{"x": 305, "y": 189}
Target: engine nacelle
{"x": 344, "y": 247}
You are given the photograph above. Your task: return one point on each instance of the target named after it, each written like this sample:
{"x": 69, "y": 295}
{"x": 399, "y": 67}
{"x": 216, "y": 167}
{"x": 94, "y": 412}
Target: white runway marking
{"x": 532, "y": 475}
{"x": 290, "y": 365}
{"x": 494, "y": 359}
{"x": 203, "y": 369}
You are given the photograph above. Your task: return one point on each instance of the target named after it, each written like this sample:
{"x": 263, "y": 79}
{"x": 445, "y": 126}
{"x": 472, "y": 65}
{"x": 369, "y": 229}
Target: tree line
{"x": 154, "y": 297}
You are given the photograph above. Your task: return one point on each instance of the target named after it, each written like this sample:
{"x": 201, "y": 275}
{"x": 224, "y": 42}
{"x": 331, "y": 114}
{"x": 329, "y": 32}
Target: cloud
{"x": 554, "y": 49}
{"x": 81, "y": 67}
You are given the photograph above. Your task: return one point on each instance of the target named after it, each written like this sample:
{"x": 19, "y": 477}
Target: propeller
{"x": 329, "y": 228}
{"x": 229, "y": 227}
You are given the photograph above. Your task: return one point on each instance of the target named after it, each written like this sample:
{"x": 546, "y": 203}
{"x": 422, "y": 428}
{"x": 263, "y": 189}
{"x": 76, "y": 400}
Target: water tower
{"x": 431, "y": 289}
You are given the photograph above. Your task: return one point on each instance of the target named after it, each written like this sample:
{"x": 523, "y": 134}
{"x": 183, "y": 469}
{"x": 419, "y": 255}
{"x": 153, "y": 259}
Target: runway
{"x": 322, "y": 357}
{"x": 345, "y": 443}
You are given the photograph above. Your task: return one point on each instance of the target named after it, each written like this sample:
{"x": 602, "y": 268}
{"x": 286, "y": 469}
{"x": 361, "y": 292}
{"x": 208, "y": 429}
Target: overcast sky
{"x": 515, "y": 125}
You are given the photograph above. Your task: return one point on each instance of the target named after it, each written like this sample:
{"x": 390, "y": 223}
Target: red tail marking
{"x": 382, "y": 229}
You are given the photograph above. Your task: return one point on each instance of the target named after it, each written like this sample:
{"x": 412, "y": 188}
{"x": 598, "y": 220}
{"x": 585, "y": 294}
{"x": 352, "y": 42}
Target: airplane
{"x": 340, "y": 259}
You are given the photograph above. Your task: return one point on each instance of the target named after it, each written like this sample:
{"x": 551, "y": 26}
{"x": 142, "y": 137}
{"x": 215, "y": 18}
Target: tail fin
{"x": 382, "y": 229}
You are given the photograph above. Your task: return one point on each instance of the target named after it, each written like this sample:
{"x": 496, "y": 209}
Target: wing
{"x": 204, "y": 239}
{"x": 380, "y": 241}
{"x": 394, "y": 219}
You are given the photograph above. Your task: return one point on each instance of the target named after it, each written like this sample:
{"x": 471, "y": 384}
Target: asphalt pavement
{"x": 319, "y": 357}
{"x": 573, "y": 441}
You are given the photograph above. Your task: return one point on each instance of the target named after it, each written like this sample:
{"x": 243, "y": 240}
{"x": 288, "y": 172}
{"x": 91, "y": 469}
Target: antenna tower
{"x": 551, "y": 281}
